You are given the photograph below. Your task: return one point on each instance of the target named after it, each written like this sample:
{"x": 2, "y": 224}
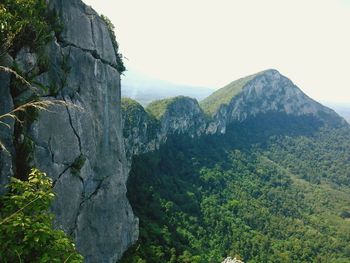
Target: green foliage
{"x": 78, "y": 164}
{"x": 134, "y": 115}
{"x": 131, "y": 110}
{"x": 26, "y": 229}
{"x": 243, "y": 194}
{"x": 158, "y": 108}
{"x": 25, "y": 23}
{"x": 211, "y": 104}
{"x": 315, "y": 158}
{"x": 120, "y": 64}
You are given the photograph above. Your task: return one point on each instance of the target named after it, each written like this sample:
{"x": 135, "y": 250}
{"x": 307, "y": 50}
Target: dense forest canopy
{"x": 263, "y": 192}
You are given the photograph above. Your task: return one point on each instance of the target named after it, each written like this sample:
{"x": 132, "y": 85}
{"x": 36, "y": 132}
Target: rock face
{"x": 140, "y": 129}
{"x": 183, "y": 115}
{"x": 6, "y": 126}
{"x": 269, "y": 91}
{"x": 144, "y": 130}
{"x": 79, "y": 143}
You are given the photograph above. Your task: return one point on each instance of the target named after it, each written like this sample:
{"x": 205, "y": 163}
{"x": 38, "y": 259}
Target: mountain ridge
{"x": 265, "y": 93}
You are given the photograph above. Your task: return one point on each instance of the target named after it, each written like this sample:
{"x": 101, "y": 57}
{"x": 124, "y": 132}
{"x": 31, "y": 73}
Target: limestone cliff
{"x": 145, "y": 129}
{"x": 79, "y": 145}
{"x": 140, "y": 129}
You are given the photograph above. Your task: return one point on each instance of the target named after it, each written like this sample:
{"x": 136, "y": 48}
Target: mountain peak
{"x": 224, "y": 95}
{"x": 269, "y": 71}
{"x": 263, "y": 92}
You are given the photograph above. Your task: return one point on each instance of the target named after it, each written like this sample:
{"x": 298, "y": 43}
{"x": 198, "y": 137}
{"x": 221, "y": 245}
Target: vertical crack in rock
{"x": 98, "y": 187}
{"x": 91, "y": 17}
{"x": 50, "y": 150}
{"x": 73, "y": 231}
{"x": 72, "y": 126}
{"x": 106, "y": 120}
{"x": 60, "y": 175}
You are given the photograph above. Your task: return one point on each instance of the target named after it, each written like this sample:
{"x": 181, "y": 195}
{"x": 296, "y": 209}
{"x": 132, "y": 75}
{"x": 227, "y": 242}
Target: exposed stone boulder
{"x": 232, "y": 260}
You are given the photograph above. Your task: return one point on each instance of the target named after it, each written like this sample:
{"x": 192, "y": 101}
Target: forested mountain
{"x": 272, "y": 185}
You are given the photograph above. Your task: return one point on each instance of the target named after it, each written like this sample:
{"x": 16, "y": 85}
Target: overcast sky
{"x": 213, "y": 42}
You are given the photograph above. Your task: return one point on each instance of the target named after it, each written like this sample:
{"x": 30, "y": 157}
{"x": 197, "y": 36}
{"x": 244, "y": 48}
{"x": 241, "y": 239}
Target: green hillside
{"x": 224, "y": 95}
{"x": 276, "y": 196}
{"x": 158, "y": 108}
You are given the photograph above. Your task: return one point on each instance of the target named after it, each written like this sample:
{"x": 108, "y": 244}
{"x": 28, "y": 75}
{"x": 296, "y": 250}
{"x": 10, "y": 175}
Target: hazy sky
{"x": 211, "y": 43}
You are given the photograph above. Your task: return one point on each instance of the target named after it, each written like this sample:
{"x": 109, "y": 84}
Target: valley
{"x": 94, "y": 169}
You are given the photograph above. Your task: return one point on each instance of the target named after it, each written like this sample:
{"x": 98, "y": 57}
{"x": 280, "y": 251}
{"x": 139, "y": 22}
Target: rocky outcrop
{"x": 182, "y": 115}
{"x": 232, "y": 260}
{"x": 79, "y": 141}
{"x": 140, "y": 129}
{"x": 145, "y": 129}
{"x": 267, "y": 92}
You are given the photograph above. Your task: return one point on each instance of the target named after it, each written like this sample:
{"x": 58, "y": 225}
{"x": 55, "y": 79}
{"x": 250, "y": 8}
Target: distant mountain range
{"x": 145, "y": 89}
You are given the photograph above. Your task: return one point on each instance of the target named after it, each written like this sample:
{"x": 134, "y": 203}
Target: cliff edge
{"x": 79, "y": 144}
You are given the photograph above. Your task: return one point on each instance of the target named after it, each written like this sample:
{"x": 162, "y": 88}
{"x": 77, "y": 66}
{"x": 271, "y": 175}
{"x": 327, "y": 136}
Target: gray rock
{"x": 26, "y": 61}
{"x": 80, "y": 143}
{"x": 144, "y": 133}
{"x": 85, "y": 30}
{"x": 183, "y": 116}
{"x": 6, "y": 127}
{"x": 232, "y": 260}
